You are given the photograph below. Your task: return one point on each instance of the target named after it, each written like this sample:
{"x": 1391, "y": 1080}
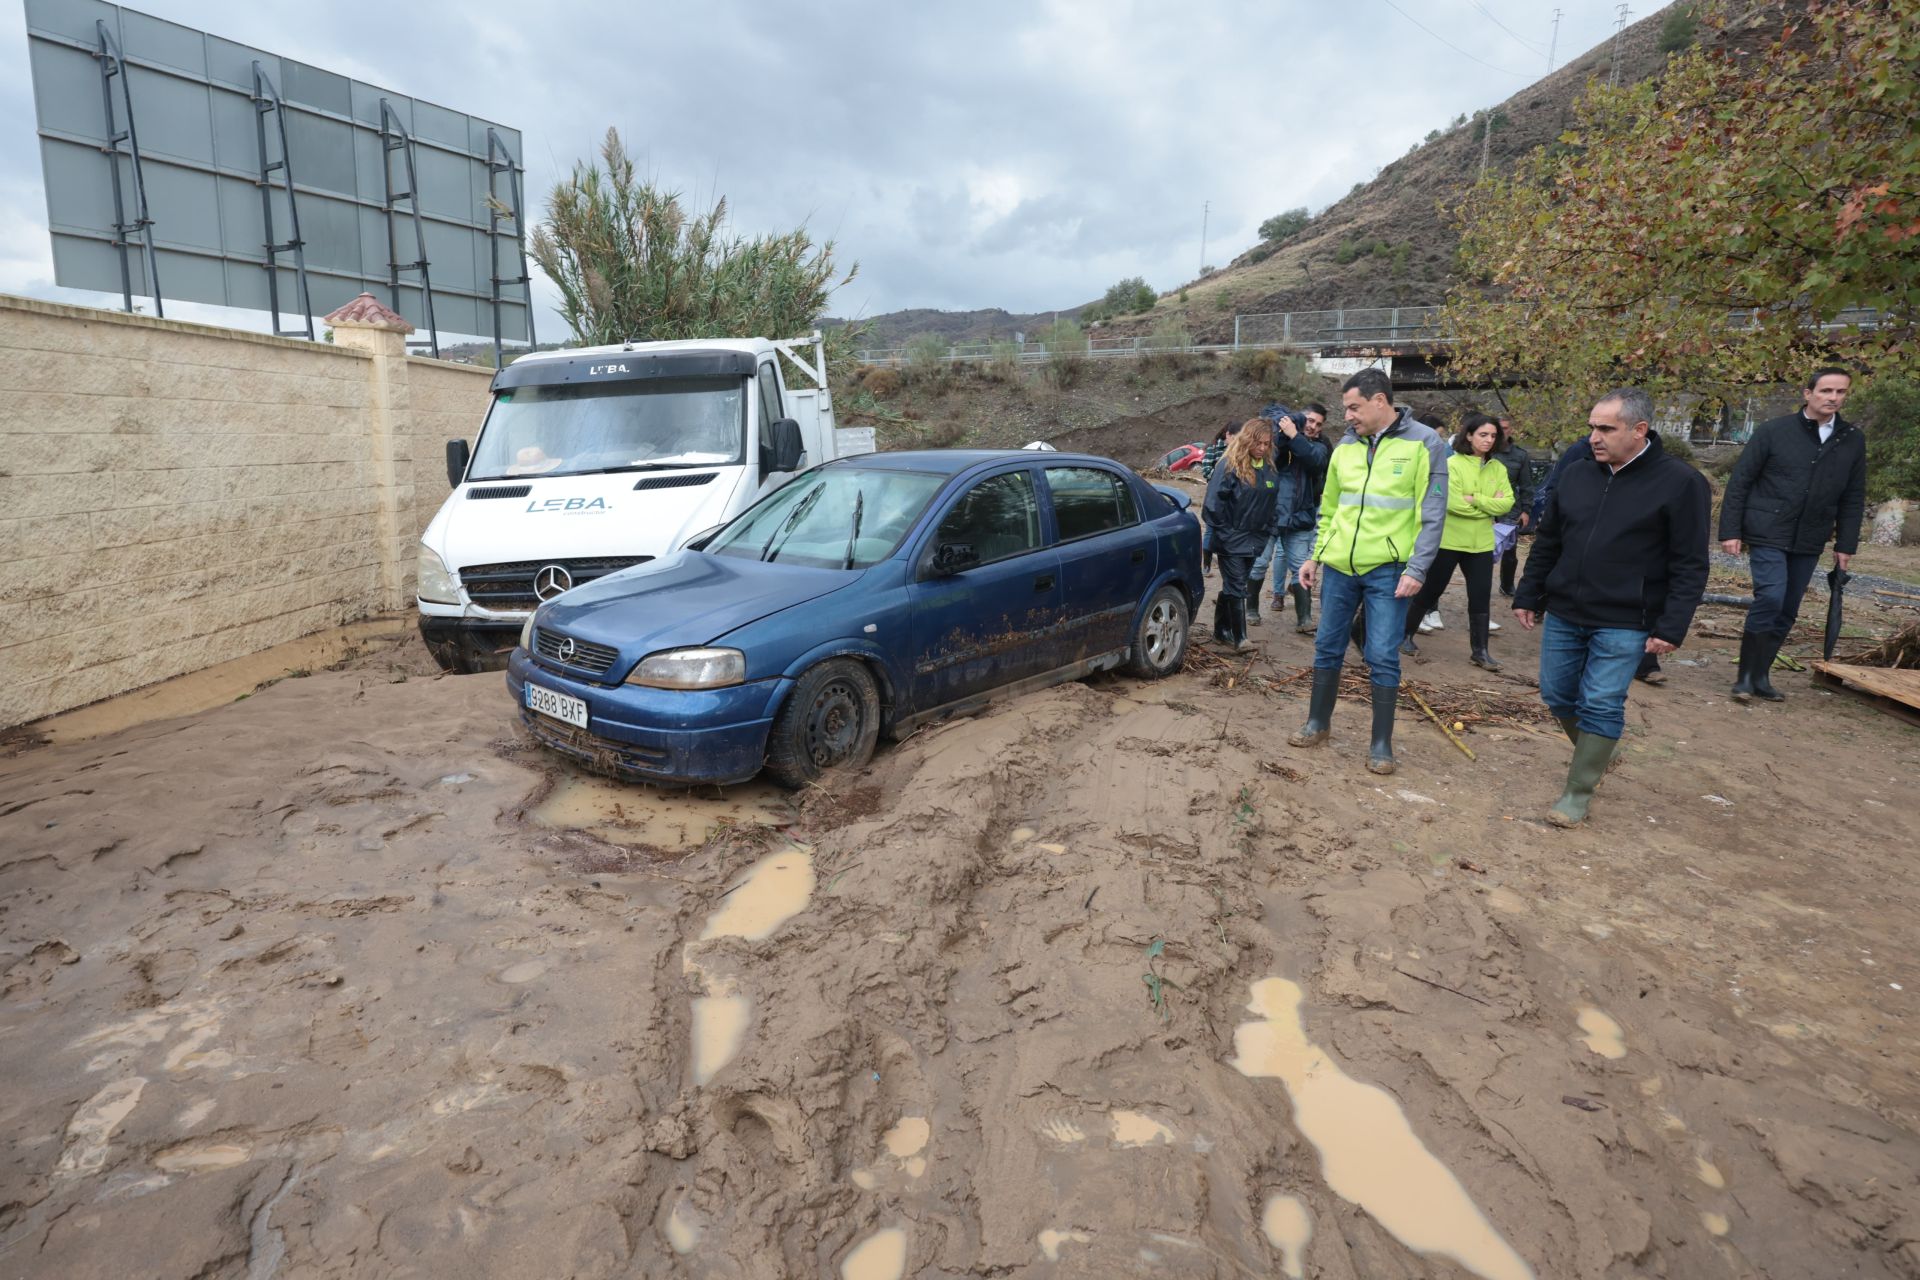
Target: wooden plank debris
{"x": 1894, "y": 690}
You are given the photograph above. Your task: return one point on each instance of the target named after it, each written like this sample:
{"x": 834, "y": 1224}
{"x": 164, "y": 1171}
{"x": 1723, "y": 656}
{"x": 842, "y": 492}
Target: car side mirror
{"x": 785, "y": 445}
{"x": 699, "y": 541}
{"x": 459, "y": 453}
{"x": 950, "y": 558}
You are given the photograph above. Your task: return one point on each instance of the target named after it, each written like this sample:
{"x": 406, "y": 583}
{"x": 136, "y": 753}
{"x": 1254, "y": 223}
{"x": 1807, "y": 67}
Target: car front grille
{"x": 510, "y": 585}
{"x": 583, "y": 656}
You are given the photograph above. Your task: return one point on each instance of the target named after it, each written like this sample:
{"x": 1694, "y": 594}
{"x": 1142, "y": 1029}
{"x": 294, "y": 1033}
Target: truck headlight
{"x": 433, "y": 580}
{"x": 526, "y": 634}
{"x": 691, "y": 669}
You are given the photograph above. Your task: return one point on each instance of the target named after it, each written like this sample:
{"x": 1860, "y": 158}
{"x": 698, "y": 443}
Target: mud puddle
{"x": 637, "y": 815}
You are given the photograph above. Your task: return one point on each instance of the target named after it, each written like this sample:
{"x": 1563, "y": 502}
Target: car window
{"x": 770, "y": 407}
{"x": 831, "y": 518}
{"x": 1087, "y": 501}
{"x": 998, "y": 518}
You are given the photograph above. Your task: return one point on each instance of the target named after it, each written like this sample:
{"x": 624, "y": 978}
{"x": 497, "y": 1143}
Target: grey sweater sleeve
{"x": 1433, "y": 508}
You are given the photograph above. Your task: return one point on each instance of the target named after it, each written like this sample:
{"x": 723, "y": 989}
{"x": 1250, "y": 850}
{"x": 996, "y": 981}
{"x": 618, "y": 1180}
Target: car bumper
{"x": 637, "y": 734}
{"x": 469, "y": 644}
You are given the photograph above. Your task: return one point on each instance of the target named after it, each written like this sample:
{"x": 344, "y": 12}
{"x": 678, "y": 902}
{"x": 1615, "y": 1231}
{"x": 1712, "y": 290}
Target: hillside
{"x": 1397, "y": 245}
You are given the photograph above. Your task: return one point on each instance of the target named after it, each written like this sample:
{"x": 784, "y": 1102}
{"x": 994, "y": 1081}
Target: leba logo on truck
{"x": 595, "y": 370}
{"x": 567, "y": 504}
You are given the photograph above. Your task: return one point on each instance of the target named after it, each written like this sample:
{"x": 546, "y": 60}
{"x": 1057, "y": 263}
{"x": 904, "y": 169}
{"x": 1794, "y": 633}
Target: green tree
{"x": 1679, "y": 29}
{"x": 1889, "y": 409}
{"x": 632, "y": 263}
{"x": 1283, "y": 225}
{"x": 1714, "y": 228}
{"x": 1127, "y": 297}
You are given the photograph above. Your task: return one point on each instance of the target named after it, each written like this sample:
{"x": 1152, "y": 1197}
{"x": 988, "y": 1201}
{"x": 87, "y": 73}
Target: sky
{"x": 992, "y": 154}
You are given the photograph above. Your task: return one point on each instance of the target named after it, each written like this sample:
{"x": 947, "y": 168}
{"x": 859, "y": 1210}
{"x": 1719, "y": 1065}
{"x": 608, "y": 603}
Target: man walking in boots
{"x": 1381, "y": 513}
{"x": 1618, "y": 566}
{"x": 1801, "y": 480}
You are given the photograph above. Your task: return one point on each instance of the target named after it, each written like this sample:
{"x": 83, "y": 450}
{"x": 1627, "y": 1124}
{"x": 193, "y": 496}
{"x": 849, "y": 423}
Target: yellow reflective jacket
{"x": 1385, "y": 500}
{"x": 1476, "y": 492}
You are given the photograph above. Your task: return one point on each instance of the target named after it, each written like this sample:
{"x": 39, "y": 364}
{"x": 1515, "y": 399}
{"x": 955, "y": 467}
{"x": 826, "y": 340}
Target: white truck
{"x": 594, "y": 459}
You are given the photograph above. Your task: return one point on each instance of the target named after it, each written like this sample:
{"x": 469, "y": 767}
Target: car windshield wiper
{"x": 770, "y": 552}
{"x": 651, "y": 466}
{"x": 859, "y": 509}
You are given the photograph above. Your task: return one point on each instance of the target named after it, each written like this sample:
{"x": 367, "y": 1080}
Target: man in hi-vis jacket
{"x": 1381, "y": 514}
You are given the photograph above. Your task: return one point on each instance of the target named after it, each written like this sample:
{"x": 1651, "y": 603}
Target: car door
{"x": 997, "y": 620}
{"x": 1107, "y": 556}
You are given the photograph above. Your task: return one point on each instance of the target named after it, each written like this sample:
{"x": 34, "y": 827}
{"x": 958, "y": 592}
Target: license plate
{"x": 557, "y": 705}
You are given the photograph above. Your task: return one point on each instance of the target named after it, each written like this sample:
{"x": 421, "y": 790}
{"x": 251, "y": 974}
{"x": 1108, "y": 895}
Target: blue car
{"x": 869, "y": 595}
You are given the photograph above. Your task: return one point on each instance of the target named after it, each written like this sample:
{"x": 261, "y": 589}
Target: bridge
{"x": 1411, "y": 337}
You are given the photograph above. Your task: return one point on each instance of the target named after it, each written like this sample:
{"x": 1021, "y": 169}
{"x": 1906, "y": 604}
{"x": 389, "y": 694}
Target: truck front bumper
{"x": 469, "y": 644}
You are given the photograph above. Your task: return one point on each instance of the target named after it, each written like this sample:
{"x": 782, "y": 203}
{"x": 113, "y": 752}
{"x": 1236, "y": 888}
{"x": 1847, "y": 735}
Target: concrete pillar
{"x": 365, "y": 324}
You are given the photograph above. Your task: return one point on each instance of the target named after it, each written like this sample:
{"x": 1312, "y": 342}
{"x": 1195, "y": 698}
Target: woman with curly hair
{"x": 1241, "y": 510}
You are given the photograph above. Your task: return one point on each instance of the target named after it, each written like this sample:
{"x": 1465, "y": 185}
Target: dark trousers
{"x": 1509, "y": 566}
{"x": 1779, "y": 584}
{"x": 1475, "y": 566}
{"x": 1233, "y": 574}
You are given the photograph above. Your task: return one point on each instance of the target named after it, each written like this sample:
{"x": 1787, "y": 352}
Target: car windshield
{"x": 610, "y": 426}
{"x": 833, "y": 518}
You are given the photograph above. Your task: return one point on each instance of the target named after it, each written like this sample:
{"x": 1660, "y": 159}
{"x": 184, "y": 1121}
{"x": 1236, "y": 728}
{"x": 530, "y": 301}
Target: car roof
{"x": 951, "y": 462}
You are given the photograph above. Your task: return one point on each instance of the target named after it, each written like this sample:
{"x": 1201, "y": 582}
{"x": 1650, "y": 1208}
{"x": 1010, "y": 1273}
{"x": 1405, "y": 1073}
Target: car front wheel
{"x": 832, "y": 720}
{"x": 1160, "y": 640}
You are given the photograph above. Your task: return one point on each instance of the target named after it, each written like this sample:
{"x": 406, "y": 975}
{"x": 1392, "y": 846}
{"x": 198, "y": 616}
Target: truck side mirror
{"x": 459, "y": 453}
{"x": 950, "y": 558}
{"x": 786, "y": 445}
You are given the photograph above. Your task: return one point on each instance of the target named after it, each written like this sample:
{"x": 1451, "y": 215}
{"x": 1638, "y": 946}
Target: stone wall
{"x": 174, "y": 495}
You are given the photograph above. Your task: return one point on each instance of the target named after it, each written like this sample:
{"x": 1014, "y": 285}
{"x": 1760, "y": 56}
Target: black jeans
{"x": 1509, "y": 566}
{"x": 1475, "y": 566}
{"x": 1779, "y": 584}
{"x": 1233, "y": 574}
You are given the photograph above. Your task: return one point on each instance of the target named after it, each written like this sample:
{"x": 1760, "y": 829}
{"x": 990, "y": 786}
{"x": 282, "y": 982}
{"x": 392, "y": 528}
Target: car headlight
{"x": 433, "y": 581}
{"x": 526, "y": 634}
{"x": 691, "y": 669}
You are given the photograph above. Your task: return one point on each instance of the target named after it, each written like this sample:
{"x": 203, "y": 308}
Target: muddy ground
{"x": 1108, "y": 981}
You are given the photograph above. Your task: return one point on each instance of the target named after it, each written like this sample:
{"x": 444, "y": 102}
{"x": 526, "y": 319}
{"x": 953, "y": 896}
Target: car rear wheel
{"x": 831, "y": 721}
{"x": 1160, "y": 640}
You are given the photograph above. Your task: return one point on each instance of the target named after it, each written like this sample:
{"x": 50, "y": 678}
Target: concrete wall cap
{"x": 368, "y": 312}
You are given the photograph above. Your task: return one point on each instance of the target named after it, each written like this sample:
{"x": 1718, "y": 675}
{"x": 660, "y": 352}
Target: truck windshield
{"x": 610, "y": 426}
{"x": 834, "y": 518}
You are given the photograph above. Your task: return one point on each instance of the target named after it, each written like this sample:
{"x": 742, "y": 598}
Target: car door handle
{"x": 1043, "y": 583}
{"x": 1139, "y": 555}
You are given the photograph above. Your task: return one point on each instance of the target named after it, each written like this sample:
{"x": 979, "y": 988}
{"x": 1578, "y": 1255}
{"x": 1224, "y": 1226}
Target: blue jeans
{"x": 1287, "y": 551}
{"x": 1341, "y": 597}
{"x": 1779, "y": 584}
{"x": 1585, "y": 673}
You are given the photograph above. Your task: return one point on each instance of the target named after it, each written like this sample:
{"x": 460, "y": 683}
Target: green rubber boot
{"x": 1591, "y": 755}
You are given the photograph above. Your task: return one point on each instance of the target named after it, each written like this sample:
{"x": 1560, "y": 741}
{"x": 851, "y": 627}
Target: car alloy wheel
{"x": 1161, "y": 632}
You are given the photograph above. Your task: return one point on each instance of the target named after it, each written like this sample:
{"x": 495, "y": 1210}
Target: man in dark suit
{"x": 1801, "y": 480}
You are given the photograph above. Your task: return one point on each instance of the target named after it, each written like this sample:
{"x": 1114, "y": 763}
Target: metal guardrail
{"x": 1288, "y": 330}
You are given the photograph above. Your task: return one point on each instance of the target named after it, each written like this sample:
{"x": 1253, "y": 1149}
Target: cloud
{"x": 1014, "y": 154}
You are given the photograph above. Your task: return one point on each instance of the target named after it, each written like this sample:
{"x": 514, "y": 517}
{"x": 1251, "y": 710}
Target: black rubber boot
{"x": 1478, "y": 630}
{"x": 1254, "y": 586}
{"x": 1570, "y": 727}
{"x": 1240, "y": 641}
{"x": 1222, "y": 621}
{"x": 1591, "y": 755}
{"x": 1302, "y": 609}
{"x": 1326, "y": 688}
{"x": 1380, "y": 752}
{"x": 1743, "y": 683}
{"x": 1766, "y": 650}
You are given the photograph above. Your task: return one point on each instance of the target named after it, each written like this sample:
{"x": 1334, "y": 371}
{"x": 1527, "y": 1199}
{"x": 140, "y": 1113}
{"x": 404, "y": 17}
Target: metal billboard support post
{"x": 510, "y": 166}
{"x": 112, "y": 65}
{"x": 394, "y": 137}
{"x": 266, "y": 99}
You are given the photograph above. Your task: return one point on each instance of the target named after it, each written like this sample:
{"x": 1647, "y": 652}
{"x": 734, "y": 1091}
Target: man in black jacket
{"x": 1801, "y": 480}
{"x": 1618, "y": 567}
